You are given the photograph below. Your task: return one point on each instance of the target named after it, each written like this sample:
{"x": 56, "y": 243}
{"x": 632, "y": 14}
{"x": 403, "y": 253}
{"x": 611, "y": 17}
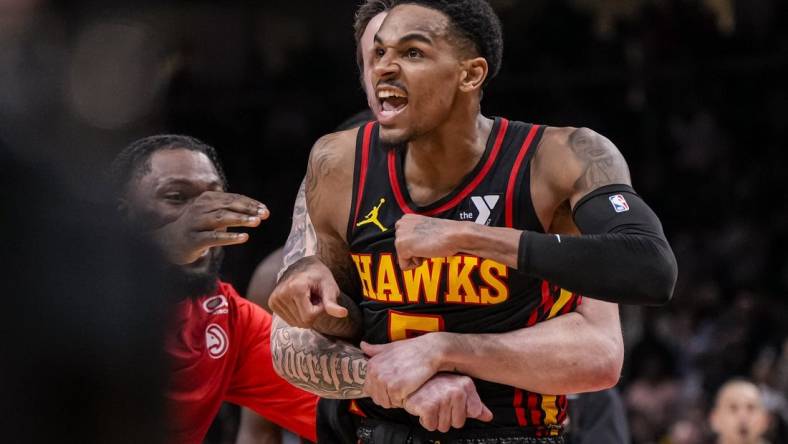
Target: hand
{"x": 203, "y": 224}
{"x": 445, "y": 401}
{"x": 397, "y": 369}
{"x": 421, "y": 237}
{"x": 306, "y": 291}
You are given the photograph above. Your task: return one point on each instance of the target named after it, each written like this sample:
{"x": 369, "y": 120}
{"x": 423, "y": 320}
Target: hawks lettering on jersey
{"x": 382, "y": 281}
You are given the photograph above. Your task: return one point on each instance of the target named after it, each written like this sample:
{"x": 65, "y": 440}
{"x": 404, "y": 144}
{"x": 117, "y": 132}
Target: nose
{"x": 385, "y": 67}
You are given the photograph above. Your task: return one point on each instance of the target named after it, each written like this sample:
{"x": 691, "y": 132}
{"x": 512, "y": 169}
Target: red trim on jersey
{"x": 560, "y": 404}
{"x": 532, "y": 407}
{"x": 570, "y": 305}
{"x": 513, "y": 176}
{"x": 362, "y": 175}
{"x": 518, "y": 407}
{"x": 395, "y": 184}
{"x": 395, "y": 187}
{"x": 546, "y": 298}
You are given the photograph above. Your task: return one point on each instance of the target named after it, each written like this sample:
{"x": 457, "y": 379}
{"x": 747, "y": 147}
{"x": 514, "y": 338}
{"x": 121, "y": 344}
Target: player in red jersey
{"x": 173, "y": 189}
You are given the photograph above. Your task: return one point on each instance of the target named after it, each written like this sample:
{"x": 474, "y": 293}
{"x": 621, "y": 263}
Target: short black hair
{"x": 476, "y": 22}
{"x": 134, "y": 161}
{"x": 364, "y": 14}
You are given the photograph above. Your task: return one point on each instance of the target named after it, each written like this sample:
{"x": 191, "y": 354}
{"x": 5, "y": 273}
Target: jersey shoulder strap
{"x": 520, "y": 212}
{"x": 366, "y": 133}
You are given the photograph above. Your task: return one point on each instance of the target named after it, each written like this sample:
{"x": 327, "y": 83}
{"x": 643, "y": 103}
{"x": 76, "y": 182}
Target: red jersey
{"x": 219, "y": 348}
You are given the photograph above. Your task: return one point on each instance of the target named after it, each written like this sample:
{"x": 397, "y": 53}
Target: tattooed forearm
{"x": 602, "y": 163}
{"x": 312, "y": 362}
{"x": 301, "y": 241}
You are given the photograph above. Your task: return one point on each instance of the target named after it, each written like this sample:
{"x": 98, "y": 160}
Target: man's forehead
{"x": 407, "y": 19}
{"x": 182, "y": 164}
{"x": 740, "y": 393}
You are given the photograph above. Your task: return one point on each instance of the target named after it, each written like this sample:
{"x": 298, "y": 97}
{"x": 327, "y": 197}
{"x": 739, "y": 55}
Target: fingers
{"x": 208, "y": 239}
{"x": 288, "y": 314}
{"x": 329, "y": 293}
{"x": 378, "y": 393}
{"x": 372, "y": 349}
{"x": 409, "y": 263}
{"x": 281, "y": 303}
{"x": 429, "y": 419}
{"x": 486, "y": 414}
{"x": 306, "y": 310}
{"x": 223, "y": 218}
{"x": 238, "y": 203}
{"x": 475, "y": 408}
{"x": 459, "y": 412}
{"x": 445, "y": 413}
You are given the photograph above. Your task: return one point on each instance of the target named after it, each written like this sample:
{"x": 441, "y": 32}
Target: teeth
{"x": 387, "y": 94}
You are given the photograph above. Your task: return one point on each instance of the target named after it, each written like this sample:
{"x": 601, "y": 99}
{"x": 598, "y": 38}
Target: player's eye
{"x": 414, "y": 53}
{"x": 175, "y": 197}
{"x": 379, "y": 52}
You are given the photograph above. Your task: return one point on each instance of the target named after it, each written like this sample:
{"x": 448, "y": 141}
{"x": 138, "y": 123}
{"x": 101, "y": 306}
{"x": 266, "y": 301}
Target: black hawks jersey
{"x": 462, "y": 293}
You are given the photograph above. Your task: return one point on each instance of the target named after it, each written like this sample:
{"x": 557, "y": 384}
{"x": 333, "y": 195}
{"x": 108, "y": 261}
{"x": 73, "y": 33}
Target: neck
{"x": 436, "y": 162}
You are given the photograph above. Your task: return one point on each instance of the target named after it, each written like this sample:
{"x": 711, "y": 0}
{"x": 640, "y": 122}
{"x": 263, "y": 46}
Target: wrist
{"x": 464, "y": 236}
{"x": 443, "y": 351}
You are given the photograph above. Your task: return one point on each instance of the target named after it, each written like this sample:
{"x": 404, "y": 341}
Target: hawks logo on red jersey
{"x": 216, "y": 341}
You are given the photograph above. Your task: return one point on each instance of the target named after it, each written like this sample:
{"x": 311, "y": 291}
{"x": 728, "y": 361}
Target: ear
{"x": 714, "y": 421}
{"x": 474, "y": 72}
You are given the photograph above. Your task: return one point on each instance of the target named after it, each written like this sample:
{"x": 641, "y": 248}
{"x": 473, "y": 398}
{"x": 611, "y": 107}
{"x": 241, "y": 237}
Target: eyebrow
{"x": 187, "y": 182}
{"x": 407, "y": 37}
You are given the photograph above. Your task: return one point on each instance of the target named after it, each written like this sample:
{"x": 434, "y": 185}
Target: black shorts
{"x": 381, "y": 432}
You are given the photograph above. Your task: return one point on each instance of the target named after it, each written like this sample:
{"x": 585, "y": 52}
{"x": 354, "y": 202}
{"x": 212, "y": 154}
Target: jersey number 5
{"x": 407, "y": 325}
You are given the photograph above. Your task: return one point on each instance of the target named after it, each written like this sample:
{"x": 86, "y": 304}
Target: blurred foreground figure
{"x": 739, "y": 416}
{"x": 173, "y": 189}
{"x": 85, "y": 307}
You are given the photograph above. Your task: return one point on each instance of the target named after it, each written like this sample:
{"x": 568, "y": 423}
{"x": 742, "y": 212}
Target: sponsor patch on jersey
{"x": 620, "y": 204}
{"x": 216, "y": 305}
{"x": 216, "y": 341}
{"x": 484, "y": 206}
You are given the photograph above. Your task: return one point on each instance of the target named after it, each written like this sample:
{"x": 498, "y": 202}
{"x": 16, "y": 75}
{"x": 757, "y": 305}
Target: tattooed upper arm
{"x": 329, "y": 368}
{"x": 578, "y": 161}
{"x": 602, "y": 163}
{"x": 327, "y": 190}
{"x": 301, "y": 241}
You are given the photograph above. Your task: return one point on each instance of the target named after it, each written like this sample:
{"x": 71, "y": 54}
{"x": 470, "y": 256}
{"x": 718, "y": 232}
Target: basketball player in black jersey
{"x": 432, "y": 61}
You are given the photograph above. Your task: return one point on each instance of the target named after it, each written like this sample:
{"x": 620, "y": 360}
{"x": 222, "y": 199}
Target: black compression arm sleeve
{"x": 621, "y": 257}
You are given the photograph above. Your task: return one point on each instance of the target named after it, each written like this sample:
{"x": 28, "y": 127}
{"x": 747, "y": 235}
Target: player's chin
{"x": 394, "y": 136}
{"x": 209, "y": 262}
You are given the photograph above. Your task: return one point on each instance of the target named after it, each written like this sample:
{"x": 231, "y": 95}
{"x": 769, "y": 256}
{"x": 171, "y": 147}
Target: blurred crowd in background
{"x": 692, "y": 92}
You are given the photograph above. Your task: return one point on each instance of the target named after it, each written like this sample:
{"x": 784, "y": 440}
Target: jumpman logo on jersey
{"x": 372, "y": 216}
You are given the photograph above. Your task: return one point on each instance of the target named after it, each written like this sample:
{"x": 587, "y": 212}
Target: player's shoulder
{"x": 563, "y": 137}
{"x": 575, "y": 145}
{"x": 335, "y": 149}
{"x": 578, "y": 160}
